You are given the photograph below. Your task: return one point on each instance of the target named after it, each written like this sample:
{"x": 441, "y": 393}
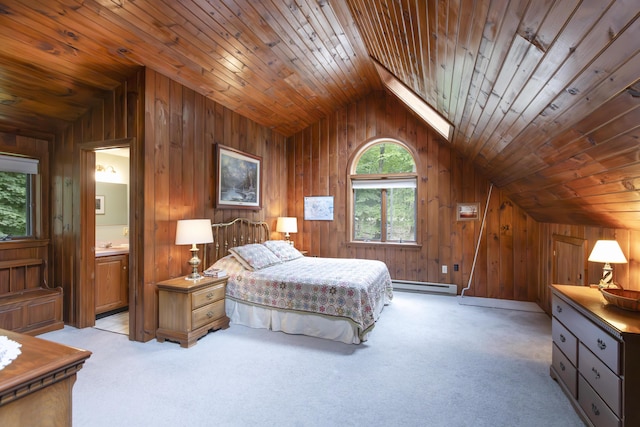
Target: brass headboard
{"x": 238, "y": 232}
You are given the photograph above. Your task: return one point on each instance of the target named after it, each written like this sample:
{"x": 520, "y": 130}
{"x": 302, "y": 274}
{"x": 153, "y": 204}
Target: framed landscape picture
{"x": 238, "y": 179}
{"x": 467, "y": 211}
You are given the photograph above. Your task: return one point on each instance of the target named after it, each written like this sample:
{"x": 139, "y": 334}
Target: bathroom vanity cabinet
{"x": 111, "y": 282}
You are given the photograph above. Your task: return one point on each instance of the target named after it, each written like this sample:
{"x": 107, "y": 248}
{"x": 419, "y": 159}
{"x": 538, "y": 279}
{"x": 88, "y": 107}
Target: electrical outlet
{"x": 444, "y": 269}
{"x": 125, "y": 231}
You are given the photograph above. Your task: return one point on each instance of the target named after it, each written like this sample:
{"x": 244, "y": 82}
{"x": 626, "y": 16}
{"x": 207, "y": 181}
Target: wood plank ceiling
{"x": 544, "y": 95}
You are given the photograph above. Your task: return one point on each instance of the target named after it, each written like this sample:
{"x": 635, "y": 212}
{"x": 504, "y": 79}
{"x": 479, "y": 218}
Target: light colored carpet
{"x": 430, "y": 361}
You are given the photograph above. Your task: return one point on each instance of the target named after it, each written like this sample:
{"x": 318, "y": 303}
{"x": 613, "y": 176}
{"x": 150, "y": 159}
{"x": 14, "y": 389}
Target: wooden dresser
{"x": 188, "y": 309}
{"x": 35, "y": 389}
{"x": 596, "y": 355}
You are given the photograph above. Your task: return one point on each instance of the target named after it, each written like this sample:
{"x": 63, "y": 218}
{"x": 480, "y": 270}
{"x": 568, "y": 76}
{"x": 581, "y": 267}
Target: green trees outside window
{"x": 14, "y": 204}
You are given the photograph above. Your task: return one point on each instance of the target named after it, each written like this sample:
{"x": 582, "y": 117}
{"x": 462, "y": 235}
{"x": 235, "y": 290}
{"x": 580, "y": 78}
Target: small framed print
{"x": 99, "y": 205}
{"x": 467, "y": 211}
{"x": 318, "y": 208}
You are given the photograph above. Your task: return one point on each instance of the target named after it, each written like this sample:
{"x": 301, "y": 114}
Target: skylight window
{"x": 415, "y": 103}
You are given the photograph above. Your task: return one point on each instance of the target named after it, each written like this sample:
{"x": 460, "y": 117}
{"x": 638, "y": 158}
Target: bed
{"x": 272, "y": 285}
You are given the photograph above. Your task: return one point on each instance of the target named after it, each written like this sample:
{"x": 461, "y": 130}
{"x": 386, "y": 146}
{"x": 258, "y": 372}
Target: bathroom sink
{"x": 112, "y": 250}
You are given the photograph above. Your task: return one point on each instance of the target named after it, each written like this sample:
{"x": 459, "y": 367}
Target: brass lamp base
{"x": 194, "y": 262}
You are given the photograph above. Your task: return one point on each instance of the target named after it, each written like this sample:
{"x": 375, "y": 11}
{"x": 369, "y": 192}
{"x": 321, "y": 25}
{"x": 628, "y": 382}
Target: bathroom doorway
{"x": 111, "y": 277}
{"x": 84, "y": 297}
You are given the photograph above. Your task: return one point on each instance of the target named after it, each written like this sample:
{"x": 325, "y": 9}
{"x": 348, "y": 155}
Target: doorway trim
{"x": 84, "y": 300}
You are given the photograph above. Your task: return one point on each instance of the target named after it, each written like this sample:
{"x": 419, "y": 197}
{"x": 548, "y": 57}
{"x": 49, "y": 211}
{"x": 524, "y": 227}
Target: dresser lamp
{"x": 287, "y": 225}
{"x": 608, "y": 252}
{"x": 193, "y": 232}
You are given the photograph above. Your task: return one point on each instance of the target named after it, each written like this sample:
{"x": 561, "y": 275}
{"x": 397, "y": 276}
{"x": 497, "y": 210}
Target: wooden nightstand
{"x": 189, "y": 309}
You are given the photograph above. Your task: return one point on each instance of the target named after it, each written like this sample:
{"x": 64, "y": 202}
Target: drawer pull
{"x": 601, "y": 344}
{"x": 562, "y": 367}
{"x": 596, "y": 373}
{"x": 558, "y": 309}
{"x": 210, "y": 295}
{"x": 210, "y": 314}
{"x": 562, "y": 338}
{"x": 595, "y": 409}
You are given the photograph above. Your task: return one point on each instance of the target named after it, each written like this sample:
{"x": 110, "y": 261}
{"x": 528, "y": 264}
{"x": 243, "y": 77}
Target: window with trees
{"x": 16, "y": 196}
{"x": 384, "y": 193}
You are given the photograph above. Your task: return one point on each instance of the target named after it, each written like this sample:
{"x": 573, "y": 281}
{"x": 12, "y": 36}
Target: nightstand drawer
{"x": 565, "y": 340}
{"x": 207, "y": 295}
{"x": 606, "y": 383}
{"x": 207, "y": 314}
{"x": 595, "y": 408}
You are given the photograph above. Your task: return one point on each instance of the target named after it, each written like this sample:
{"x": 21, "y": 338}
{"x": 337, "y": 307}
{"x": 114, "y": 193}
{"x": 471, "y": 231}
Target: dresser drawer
{"x": 606, "y": 383}
{"x": 595, "y": 408}
{"x": 601, "y": 344}
{"x": 565, "y": 340}
{"x": 566, "y": 314}
{"x": 203, "y": 315}
{"x": 565, "y": 369}
{"x": 207, "y": 295}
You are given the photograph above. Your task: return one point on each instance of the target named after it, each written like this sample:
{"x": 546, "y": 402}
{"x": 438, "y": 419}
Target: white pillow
{"x": 283, "y": 250}
{"x": 254, "y": 256}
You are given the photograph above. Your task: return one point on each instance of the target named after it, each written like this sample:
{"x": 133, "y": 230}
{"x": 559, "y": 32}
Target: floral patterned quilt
{"x": 346, "y": 288}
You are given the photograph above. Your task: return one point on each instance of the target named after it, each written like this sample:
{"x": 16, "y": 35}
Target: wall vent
{"x": 440, "y": 288}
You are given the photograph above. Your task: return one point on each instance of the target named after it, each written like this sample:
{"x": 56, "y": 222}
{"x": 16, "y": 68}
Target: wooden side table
{"x": 189, "y": 309}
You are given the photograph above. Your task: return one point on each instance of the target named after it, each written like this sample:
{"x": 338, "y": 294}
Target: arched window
{"x": 384, "y": 187}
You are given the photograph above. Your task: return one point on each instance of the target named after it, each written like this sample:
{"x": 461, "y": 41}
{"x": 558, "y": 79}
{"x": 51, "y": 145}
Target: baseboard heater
{"x": 441, "y": 288}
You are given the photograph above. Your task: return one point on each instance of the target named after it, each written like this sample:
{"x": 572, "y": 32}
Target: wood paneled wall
{"x": 507, "y": 265}
{"x": 174, "y": 133}
{"x": 117, "y": 117}
{"x": 181, "y": 130}
{"x": 514, "y": 257}
{"x": 627, "y": 275}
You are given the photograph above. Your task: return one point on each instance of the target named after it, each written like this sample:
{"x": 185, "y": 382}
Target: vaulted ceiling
{"x": 544, "y": 95}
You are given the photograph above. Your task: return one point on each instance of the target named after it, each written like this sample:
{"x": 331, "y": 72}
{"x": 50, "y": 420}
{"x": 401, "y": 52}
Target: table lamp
{"x": 607, "y": 251}
{"x": 192, "y": 232}
{"x": 287, "y": 225}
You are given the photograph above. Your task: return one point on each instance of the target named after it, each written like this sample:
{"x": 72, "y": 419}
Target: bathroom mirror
{"x": 113, "y": 202}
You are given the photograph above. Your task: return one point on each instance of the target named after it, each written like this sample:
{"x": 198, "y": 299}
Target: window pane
{"x": 385, "y": 158}
{"x": 14, "y": 197}
{"x": 367, "y": 214}
{"x": 401, "y": 213}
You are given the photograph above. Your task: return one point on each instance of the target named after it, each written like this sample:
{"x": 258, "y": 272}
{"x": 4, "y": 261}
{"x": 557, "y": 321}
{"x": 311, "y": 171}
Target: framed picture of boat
{"x": 238, "y": 179}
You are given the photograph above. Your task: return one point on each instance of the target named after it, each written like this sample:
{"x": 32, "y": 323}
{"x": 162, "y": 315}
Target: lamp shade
{"x": 607, "y": 251}
{"x": 194, "y": 231}
{"x": 287, "y": 224}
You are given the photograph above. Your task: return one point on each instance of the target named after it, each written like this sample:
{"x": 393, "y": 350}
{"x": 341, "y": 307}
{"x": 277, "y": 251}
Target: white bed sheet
{"x": 290, "y": 322}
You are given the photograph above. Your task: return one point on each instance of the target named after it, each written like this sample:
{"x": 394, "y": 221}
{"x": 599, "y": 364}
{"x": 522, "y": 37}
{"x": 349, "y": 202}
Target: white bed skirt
{"x": 313, "y": 325}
